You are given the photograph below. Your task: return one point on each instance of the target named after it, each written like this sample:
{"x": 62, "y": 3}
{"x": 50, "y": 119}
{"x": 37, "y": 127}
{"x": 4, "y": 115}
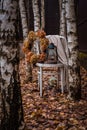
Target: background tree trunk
{"x": 42, "y": 15}
{"x": 36, "y": 15}
{"x": 25, "y": 29}
{"x": 11, "y": 111}
{"x": 74, "y": 67}
{"x": 60, "y": 5}
{"x": 23, "y": 18}
{"x": 62, "y": 19}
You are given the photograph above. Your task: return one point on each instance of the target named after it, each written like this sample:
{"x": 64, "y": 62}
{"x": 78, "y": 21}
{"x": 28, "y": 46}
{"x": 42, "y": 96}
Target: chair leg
{"x": 62, "y": 79}
{"x": 41, "y": 78}
{"x": 67, "y": 79}
{"x": 38, "y": 79}
{"x": 57, "y": 78}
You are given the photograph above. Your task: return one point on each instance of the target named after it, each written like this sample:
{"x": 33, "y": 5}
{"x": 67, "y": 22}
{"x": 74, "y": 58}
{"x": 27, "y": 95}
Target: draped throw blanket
{"x": 62, "y": 48}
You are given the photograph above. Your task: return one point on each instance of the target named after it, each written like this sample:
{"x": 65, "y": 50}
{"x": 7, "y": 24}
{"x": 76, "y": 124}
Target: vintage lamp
{"x": 52, "y": 55}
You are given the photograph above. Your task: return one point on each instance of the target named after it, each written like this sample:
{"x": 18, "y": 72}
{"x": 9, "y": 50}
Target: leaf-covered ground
{"x": 53, "y": 111}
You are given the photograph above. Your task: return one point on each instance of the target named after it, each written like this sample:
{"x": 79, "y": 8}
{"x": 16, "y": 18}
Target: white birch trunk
{"x": 74, "y": 68}
{"x": 42, "y": 15}
{"x": 23, "y": 18}
{"x": 36, "y": 15}
{"x": 62, "y": 19}
{"x": 25, "y": 33}
{"x": 60, "y": 5}
{"x": 10, "y": 94}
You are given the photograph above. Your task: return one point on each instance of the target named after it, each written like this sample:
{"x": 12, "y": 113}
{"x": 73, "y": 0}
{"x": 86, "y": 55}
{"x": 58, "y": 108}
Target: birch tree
{"x": 25, "y": 29}
{"x": 11, "y": 111}
{"x": 42, "y": 15}
{"x": 27, "y": 5}
{"x": 36, "y": 15}
{"x": 74, "y": 67}
{"x": 23, "y": 18}
{"x": 60, "y": 5}
{"x": 62, "y": 18}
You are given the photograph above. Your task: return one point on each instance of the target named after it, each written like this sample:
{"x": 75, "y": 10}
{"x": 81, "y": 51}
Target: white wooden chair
{"x": 55, "y": 72}
{"x": 62, "y": 49}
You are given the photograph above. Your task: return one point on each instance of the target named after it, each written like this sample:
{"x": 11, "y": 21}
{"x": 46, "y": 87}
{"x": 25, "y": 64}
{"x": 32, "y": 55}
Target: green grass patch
{"x": 83, "y": 59}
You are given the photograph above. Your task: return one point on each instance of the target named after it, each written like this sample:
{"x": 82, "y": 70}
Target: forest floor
{"x": 53, "y": 111}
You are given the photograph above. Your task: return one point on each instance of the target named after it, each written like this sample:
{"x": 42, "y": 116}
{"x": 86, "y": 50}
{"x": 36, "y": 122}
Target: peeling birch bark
{"x": 42, "y": 15}
{"x": 23, "y": 18}
{"x": 11, "y": 111}
{"x": 36, "y": 15}
{"x": 74, "y": 66}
